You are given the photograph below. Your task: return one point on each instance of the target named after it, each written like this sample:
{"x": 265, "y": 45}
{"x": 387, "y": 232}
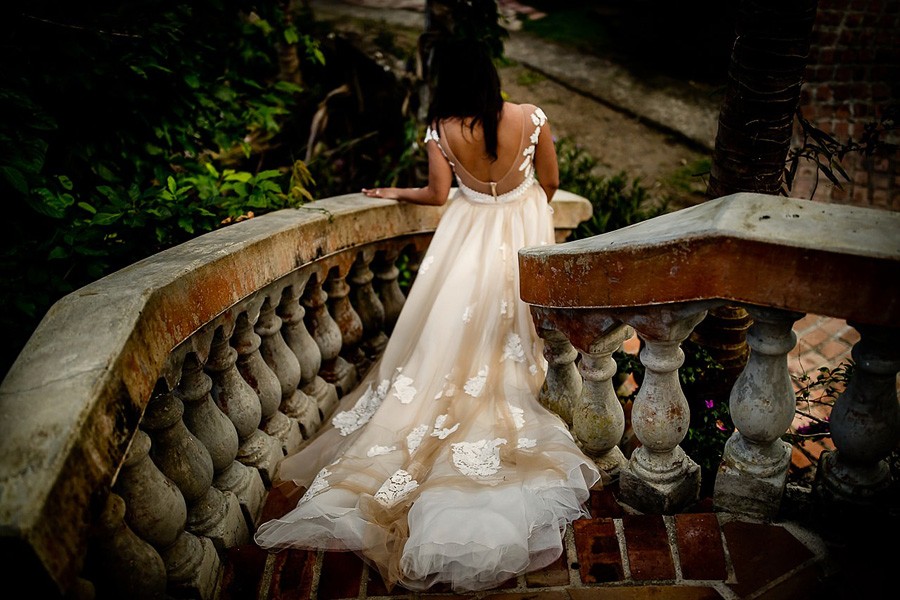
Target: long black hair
{"x": 466, "y": 85}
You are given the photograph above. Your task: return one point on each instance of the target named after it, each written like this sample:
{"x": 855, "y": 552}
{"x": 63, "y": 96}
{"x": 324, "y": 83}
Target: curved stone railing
{"x": 143, "y": 421}
{"x": 777, "y": 257}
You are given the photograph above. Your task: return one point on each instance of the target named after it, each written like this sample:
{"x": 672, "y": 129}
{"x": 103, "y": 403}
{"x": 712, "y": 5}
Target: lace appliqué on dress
{"x": 478, "y": 460}
{"x": 517, "y": 414}
{"x": 475, "y": 385}
{"x": 415, "y": 437}
{"x": 513, "y": 349}
{"x": 319, "y": 484}
{"x": 526, "y": 443}
{"x": 404, "y": 390}
{"x": 377, "y": 450}
{"x": 397, "y": 487}
{"x": 349, "y": 421}
{"x": 439, "y": 430}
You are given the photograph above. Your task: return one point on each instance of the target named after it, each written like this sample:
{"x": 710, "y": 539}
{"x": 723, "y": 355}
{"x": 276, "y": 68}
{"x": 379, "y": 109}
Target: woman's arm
{"x": 546, "y": 167}
{"x": 440, "y": 176}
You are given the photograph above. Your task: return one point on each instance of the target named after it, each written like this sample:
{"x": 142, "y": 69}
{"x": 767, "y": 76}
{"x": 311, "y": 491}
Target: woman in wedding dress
{"x": 442, "y": 466}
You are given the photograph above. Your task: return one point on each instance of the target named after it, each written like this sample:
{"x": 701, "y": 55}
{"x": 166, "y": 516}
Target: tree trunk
{"x": 768, "y": 61}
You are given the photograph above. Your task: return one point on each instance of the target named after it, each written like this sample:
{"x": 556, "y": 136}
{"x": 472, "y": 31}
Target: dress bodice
{"x": 518, "y": 178}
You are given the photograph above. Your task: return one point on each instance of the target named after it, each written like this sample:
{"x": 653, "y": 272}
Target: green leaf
{"x": 291, "y": 36}
{"x": 15, "y": 178}
{"x": 105, "y": 218}
{"x": 88, "y": 207}
{"x": 65, "y": 182}
{"x": 186, "y": 224}
{"x": 241, "y": 176}
{"x": 58, "y": 252}
{"x": 171, "y": 184}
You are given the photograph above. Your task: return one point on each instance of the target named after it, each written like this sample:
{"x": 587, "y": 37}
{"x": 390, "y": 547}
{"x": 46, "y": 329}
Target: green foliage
{"x": 133, "y": 127}
{"x": 617, "y": 202}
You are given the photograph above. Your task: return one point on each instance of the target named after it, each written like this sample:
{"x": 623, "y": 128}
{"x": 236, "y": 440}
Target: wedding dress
{"x": 442, "y": 466}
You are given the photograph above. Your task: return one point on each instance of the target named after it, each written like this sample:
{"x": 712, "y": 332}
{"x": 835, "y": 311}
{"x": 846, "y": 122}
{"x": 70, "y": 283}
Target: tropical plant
{"x": 174, "y": 133}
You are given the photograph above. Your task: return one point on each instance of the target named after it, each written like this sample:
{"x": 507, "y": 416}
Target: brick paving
{"x": 613, "y": 554}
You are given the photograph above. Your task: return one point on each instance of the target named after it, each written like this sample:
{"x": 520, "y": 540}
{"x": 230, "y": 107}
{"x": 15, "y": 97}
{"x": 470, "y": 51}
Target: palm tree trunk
{"x": 768, "y": 61}
{"x": 756, "y": 120}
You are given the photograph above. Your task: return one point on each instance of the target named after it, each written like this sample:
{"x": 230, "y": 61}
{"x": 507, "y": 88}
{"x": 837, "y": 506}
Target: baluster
{"x": 660, "y": 478}
{"x": 755, "y": 462}
{"x": 157, "y": 513}
{"x": 298, "y": 339}
{"x": 264, "y": 381}
{"x": 327, "y": 335}
{"x": 384, "y": 266}
{"x": 212, "y": 427}
{"x": 122, "y": 564}
{"x": 854, "y": 479}
{"x": 598, "y": 420}
{"x": 283, "y": 362}
{"x": 186, "y": 461}
{"x": 348, "y": 322}
{"x": 563, "y": 385}
{"x": 368, "y": 306}
{"x": 234, "y": 396}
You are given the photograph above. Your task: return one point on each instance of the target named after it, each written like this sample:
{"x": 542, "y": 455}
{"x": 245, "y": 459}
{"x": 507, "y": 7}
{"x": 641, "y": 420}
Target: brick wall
{"x": 852, "y": 78}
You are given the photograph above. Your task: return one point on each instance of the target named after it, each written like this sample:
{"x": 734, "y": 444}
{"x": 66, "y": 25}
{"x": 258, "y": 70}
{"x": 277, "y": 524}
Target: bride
{"x": 442, "y": 466}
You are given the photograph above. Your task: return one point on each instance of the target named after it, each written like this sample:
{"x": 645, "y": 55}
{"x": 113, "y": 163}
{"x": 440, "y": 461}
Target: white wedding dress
{"x": 442, "y": 466}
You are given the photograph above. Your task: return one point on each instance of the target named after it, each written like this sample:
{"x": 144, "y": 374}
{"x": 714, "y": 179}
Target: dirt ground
{"x": 619, "y": 142}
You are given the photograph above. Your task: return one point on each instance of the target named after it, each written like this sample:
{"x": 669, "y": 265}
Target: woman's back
{"x": 518, "y": 132}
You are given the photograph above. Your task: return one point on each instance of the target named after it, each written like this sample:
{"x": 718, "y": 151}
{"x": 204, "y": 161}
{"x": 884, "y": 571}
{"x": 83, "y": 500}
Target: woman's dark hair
{"x": 466, "y": 85}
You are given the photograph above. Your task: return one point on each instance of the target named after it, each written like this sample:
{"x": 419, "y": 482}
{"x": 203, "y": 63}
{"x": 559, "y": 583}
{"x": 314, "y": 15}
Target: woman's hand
{"x": 390, "y": 193}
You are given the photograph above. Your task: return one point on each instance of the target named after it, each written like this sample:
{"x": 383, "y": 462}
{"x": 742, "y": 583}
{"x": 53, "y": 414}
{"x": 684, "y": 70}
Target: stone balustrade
{"x": 143, "y": 422}
{"x": 777, "y": 257}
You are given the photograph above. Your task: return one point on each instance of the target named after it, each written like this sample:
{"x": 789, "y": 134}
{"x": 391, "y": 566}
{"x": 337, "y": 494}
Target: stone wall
{"x": 851, "y": 80}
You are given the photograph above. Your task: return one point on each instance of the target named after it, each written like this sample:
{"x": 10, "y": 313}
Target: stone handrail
{"x": 777, "y": 257}
{"x": 71, "y": 404}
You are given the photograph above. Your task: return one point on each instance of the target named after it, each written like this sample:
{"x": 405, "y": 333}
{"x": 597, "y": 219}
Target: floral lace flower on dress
{"x": 513, "y": 349}
{"x": 478, "y": 460}
{"x": 439, "y": 430}
{"x": 397, "y": 487}
{"x": 319, "y": 484}
{"x": 377, "y": 450}
{"x": 526, "y": 443}
{"x": 404, "y": 390}
{"x": 475, "y": 385}
{"x": 415, "y": 437}
{"x": 348, "y": 421}
{"x": 517, "y": 414}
